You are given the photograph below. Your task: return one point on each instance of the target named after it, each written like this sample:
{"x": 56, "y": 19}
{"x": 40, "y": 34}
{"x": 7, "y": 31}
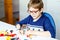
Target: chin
{"x": 34, "y": 17}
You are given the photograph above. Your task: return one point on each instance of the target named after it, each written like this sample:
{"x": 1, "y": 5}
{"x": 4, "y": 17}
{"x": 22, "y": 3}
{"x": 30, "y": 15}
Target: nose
{"x": 33, "y": 13}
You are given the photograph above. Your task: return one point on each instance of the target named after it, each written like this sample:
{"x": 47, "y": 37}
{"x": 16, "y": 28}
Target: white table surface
{"x": 5, "y": 26}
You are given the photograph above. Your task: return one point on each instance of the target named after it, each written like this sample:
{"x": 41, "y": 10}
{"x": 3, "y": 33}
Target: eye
{"x": 35, "y": 11}
{"x": 11, "y": 31}
{"x": 31, "y": 11}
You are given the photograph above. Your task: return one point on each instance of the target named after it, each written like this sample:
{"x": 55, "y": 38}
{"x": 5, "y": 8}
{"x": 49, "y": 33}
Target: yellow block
{"x": 30, "y": 35}
{"x": 8, "y": 38}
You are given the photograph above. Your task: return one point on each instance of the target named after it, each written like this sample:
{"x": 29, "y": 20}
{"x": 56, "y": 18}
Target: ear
{"x": 41, "y": 10}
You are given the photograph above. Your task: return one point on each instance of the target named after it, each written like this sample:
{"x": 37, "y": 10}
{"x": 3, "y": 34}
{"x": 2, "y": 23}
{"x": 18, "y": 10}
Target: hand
{"x": 18, "y": 26}
{"x": 23, "y": 26}
{"x": 21, "y": 31}
{"x": 42, "y": 33}
{"x": 28, "y": 32}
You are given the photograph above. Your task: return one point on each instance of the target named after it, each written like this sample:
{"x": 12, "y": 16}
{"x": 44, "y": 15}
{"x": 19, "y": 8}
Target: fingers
{"x": 21, "y": 31}
{"x": 28, "y": 32}
{"x": 24, "y": 26}
{"x": 18, "y": 26}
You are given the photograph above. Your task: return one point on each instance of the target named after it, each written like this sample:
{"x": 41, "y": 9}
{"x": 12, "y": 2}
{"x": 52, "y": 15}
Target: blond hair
{"x": 35, "y": 4}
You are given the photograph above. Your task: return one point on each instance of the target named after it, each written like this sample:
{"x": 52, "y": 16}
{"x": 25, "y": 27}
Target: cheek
{"x": 38, "y": 14}
{"x": 35, "y": 14}
{"x": 31, "y": 14}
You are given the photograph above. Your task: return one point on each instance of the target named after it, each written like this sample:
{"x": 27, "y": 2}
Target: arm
{"x": 41, "y": 33}
{"x": 20, "y": 29}
{"x": 24, "y": 21}
{"x": 48, "y": 27}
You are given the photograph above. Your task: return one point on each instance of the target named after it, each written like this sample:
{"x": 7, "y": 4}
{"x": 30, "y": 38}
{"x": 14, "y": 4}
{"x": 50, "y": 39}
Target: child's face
{"x": 35, "y": 13}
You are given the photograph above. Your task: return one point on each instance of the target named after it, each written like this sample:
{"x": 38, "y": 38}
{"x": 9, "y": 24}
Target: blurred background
{"x": 12, "y": 11}
{"x": 9, "y": 11}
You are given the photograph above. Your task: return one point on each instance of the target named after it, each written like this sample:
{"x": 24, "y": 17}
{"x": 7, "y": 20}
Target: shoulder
{"x": 46, "y": 15}
{"x": 27, "y": 18}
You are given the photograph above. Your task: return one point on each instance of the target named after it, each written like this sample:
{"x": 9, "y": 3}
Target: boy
{"x": 37, "y": 19}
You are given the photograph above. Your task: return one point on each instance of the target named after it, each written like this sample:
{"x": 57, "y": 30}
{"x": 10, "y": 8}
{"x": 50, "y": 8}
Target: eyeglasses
{"x": 33, "y": 11}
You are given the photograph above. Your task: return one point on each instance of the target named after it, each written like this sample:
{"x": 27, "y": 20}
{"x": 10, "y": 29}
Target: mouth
{"x": 33, "y": 16}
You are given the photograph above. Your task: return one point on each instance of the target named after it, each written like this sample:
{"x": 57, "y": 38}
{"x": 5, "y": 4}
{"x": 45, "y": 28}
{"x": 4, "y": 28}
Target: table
{"x": 5, "y": 26}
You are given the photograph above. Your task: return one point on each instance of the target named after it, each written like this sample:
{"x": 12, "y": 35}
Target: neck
{"x": 37, "y": 18}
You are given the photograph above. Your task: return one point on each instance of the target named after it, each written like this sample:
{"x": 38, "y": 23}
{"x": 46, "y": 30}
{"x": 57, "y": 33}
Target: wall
{"x": 1, "y": 8}
{"x": 51, "y": 6}
{"x": 15, "y": 7}
{"x": 23, "y": 9}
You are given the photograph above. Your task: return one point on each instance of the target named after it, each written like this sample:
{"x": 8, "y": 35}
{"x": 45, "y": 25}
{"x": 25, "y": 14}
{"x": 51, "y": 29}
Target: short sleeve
{"x": 24, "y": 21}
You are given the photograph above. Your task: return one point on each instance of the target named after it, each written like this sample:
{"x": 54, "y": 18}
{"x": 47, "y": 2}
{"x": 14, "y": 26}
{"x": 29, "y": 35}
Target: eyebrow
{"x": 30, "y": 10}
